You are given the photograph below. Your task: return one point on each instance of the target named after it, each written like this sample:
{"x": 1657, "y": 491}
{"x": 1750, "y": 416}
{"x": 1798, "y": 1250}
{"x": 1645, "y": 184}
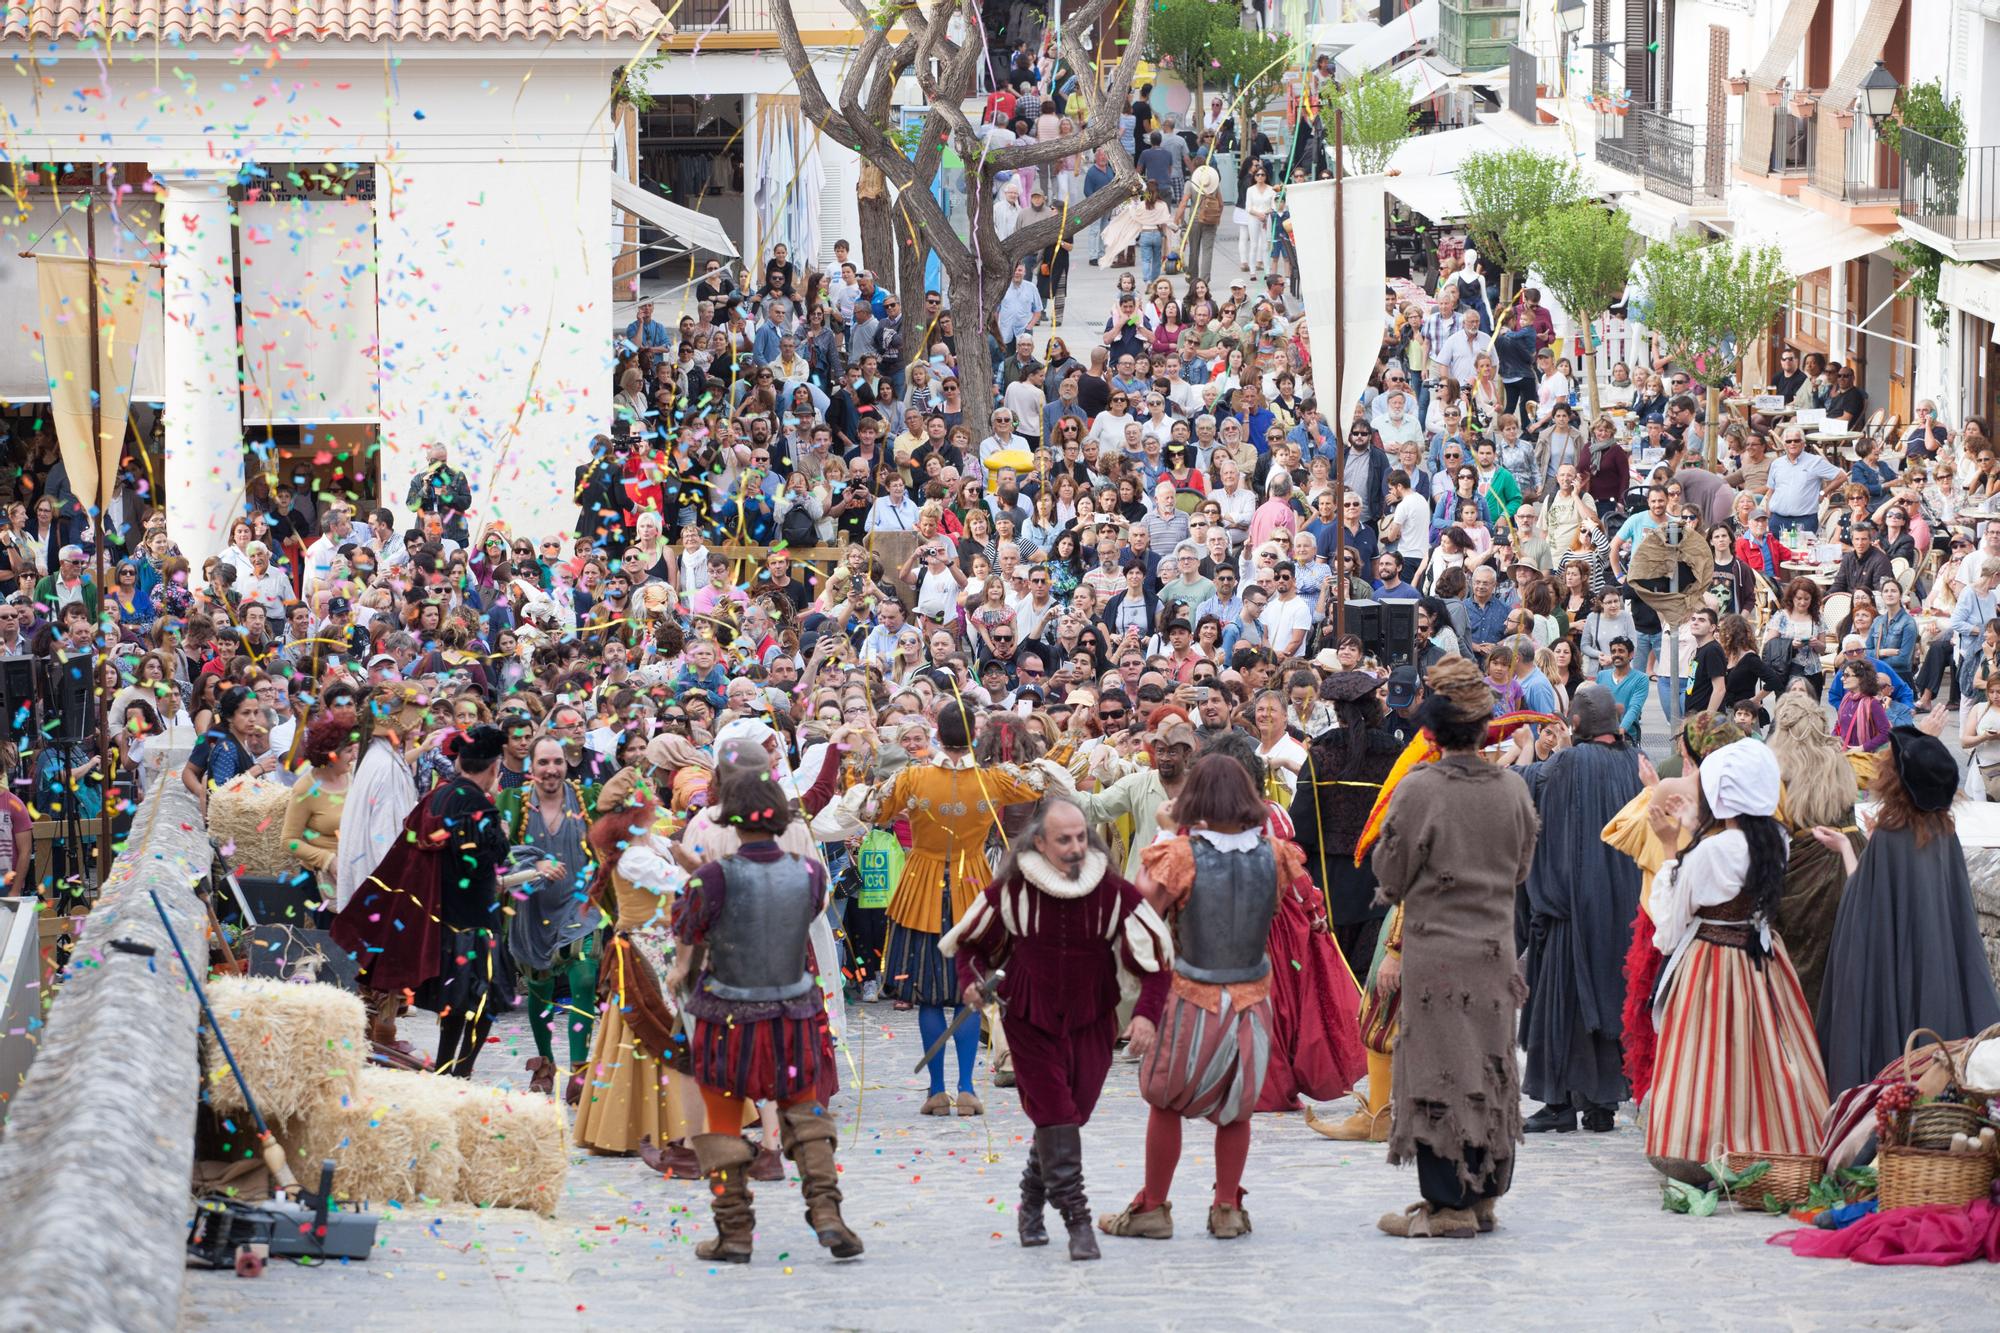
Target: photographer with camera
{"x": 604, "y": 508}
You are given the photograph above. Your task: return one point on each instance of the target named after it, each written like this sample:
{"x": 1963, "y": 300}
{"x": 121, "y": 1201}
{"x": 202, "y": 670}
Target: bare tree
{"x": 978, "y": 268}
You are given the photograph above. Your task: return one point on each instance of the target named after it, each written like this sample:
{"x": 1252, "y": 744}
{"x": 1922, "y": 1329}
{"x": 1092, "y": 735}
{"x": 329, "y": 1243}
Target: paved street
{"x": 1582, "y": 1242}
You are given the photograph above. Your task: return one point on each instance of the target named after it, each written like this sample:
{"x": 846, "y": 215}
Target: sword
{"x": 966, "y": 1013}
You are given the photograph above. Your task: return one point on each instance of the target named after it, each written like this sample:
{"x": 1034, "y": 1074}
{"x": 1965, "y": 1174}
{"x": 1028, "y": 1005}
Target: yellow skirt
{"x": 628, "y": 1094}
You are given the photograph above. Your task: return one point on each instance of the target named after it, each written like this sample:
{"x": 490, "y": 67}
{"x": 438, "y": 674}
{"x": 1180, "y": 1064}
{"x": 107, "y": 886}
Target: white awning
{"x": 697, "y": 231}
{"x": 309, "y": 312}
{"x": 1807, "y": 239}
{"x": 130, "y": 231}
{"x": 1424, "y": 78}
{"x": 1339, "y": 36}
{"x": 1435, "y": 197}
{"x": 1419, "y": 27}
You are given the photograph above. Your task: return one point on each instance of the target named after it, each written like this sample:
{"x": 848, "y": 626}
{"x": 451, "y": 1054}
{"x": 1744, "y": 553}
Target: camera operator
{"x": 603, "y": 507}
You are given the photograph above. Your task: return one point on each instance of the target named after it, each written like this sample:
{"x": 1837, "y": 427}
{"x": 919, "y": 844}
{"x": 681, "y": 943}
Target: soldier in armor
{"x": 1062, "y": 925}
{"x": 1217, "y": 884}
{"x": 760, "y": 1019}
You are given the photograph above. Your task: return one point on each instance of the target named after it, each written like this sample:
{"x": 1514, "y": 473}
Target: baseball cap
{"x": 1402, "y": 687}
{"x": 386, "y": 659}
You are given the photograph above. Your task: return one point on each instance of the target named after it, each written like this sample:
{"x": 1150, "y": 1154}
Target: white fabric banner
{"x": 1338, "y": 388}
{"x": 127, "y": 231}
{"x": 309, "y": 326}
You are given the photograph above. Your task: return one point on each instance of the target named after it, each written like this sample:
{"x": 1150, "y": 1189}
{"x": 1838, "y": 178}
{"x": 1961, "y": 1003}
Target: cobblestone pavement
{"x": 1582, "y": 1241}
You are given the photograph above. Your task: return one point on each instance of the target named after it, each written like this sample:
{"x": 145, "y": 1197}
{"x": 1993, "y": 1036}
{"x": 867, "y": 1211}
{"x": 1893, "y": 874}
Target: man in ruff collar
{"x": 1062, "y": 925}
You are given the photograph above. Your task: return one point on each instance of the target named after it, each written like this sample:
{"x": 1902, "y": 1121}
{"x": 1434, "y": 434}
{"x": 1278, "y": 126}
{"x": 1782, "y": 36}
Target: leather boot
{"x": 1060, "y": 1148}
{"x": 725, "y": 1159}
{"x": 810, "y": 1138}
{"x": 1034, "y": 1196}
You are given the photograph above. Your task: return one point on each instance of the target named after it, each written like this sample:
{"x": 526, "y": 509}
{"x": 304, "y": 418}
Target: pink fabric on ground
{"x": 1936, "y": 1237}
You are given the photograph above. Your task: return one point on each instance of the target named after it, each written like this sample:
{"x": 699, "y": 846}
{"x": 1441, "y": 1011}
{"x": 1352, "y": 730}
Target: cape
{"x": 391, "y": 923}
{"x": 1905, "y": 954}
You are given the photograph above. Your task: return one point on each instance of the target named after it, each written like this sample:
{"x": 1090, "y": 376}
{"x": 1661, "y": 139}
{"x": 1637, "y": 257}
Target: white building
{"x": 1741, "y": 117}
{"x": 379, "y": 228}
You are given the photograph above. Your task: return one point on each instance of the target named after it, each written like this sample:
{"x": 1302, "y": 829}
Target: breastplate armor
{"x": 757, "y": 947}
{"x": 1224, "y": 926}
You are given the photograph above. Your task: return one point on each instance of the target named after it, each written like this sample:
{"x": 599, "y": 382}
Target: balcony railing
{"x": 1682, "y": 160}
{"x": 1865, "y": 171}
{"x": 723, "y": 16}
{"x": 1952, "y": 191}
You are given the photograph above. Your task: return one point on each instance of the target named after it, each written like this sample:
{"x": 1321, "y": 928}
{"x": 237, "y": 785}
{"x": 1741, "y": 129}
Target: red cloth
{"x": 1934, "y": 1237}
{"x": 1315, "y": 1007}
{"x": 1643, "y": 964}
{"x": 391, "y": 923}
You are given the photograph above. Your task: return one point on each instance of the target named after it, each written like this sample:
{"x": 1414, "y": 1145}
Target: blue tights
{"x": 931, "y": 1023}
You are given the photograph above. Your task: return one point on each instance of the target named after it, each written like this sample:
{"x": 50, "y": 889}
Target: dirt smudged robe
{"x": 1457, "y": 841}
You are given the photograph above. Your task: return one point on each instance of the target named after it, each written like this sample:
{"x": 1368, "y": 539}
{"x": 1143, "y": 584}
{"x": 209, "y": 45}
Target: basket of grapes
{"x": 1936, "y": 1147}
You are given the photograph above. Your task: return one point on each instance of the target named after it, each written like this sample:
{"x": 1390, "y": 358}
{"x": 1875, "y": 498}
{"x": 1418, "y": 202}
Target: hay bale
{"x": 425, "y": 1101}
{"x": 246, "y": 815}
{"x": 515, "y": 1146}
{"x": 302, "y": 1046}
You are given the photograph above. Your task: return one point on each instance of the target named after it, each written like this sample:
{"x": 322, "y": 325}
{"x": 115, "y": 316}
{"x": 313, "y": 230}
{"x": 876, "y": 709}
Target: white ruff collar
{"x": 1246, "y": 841}
{"x": 1036, "y": 869}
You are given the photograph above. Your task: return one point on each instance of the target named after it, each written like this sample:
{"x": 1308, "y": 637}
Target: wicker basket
{"x": 1932, "y": 1124}
{"x": 1790, "y": 1179}
{"x": 1972, "y": 1043}
{"x": 1914, "y": 1177}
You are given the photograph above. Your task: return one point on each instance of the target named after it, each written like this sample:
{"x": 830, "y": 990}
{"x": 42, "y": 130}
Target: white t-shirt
{"x": 1281, "y": 617}
{"x": 1413, "y": 532}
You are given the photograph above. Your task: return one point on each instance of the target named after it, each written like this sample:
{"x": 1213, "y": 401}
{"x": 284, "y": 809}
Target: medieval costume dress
{"x": 553, "y": 927}
{"x": 760, "y": 1034}
{"x": 1577, "y": 909}
{"x": 1062, "y": 942}
{"x": 1337, "y": 786}
{"x": 1316, "y": 1048}
{"x": 1738, "y": 1066}
{"x": 1458, "y": 839}
{"x": 472, "y": 980}
{"x": 1906, "y": 948}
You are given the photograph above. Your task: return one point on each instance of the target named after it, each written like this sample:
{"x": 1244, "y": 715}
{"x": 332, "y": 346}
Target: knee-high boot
{"x": 810, "y": 1138}
{"x": 725, "y": 1163}
{"x": 1034, "y": 1196}
{"x": 1370, "y": 1124}
{"x": 1060, "y": 1148}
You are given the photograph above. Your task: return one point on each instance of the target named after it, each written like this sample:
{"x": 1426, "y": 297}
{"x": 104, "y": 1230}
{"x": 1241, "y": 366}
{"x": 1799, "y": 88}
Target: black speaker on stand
{"x": 1399, "y": 633}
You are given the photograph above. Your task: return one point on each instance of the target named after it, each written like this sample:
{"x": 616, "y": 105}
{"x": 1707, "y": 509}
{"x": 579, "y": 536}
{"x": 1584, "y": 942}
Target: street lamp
{"x": 1878, "y": 94}
{"x": 1571, "y": 14}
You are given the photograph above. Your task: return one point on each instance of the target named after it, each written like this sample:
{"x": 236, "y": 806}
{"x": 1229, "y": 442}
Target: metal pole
{"x": 1343, "y": 418}
{"x": 96, "y": 503}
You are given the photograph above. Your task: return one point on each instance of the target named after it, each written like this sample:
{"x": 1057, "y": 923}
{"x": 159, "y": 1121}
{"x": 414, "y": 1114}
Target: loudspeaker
{"x": 1399, "y": 633}
{"x": 18, "y": 696}
{"x": 1364, "y": 620}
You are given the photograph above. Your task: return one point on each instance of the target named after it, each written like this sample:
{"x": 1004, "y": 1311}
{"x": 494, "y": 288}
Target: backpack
{"x": 1209, "y": 211}
{"x": 799, "y": 531}
{"x": 1774, "y": 664}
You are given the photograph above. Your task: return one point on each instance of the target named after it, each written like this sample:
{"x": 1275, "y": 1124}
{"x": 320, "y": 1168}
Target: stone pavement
{"x": 1581, "y": 1242}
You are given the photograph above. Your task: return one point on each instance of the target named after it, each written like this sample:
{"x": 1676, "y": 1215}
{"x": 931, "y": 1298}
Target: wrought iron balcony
{"x": 1951, "y": 191}
{"x": 1863, "y": 170}
{"x": 1678, "y": 159}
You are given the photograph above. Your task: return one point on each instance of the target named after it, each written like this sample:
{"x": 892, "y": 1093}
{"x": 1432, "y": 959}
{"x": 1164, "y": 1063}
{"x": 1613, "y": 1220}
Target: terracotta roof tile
{"x": 323, "y": 20}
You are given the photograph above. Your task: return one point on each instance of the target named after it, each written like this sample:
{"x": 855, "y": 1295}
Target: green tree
{"x": 1583, "y": 254}
{"x": 1253, "y": 65}
{"x": 1503, "y": 189}
{"x": 1376, "y": 117}
{"x": 1181, "y": 34}
{"x": 1708, "y": 302}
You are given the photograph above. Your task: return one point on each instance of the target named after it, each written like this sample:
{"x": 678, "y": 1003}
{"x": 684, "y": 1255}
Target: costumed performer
{"x": 1217, "y": 884}
{"x": 1456, "y": 843}
{"x": 1063, "y": 925}
{"x": 1906, "y": 950}
{"x": 381, "y": 796}
{"x": 1819, "y": 789}
{"x": 1738, "y": 1067}
{"x": 952, "y": 806}
{"x": 760, "y": 1015}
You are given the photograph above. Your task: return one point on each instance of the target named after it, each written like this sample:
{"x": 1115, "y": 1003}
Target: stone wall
{"x": 95, "y": 1164}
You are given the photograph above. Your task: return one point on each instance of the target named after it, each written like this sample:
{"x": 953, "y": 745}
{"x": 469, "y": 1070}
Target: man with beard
{"x": 1578, "y": 904}
{"x": 1143, "y": 791}
{"x": 553, "y": 929}
{"x": 1061, "y": 924}
{"x": 380, "y": 797}
{"x": 586, "y": 766}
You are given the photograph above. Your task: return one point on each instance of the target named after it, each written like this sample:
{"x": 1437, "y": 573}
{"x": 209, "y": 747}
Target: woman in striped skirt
{"x": 1218, "y": 885}
{"x": 1738, "y": 1066}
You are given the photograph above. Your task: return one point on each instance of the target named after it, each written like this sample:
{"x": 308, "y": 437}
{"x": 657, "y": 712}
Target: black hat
{"x": 1925, "y": 768}
{"x": 336, "y": 605}
{"x": 1402, "y": 687}
{"x": 1347, "y": 686}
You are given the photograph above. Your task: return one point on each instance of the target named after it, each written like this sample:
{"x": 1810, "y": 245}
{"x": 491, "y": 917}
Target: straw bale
{"x": 516, "y": 1148}
{"x": 246, "y": 815}
{"x": 301, "y": 1045}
